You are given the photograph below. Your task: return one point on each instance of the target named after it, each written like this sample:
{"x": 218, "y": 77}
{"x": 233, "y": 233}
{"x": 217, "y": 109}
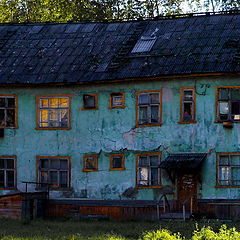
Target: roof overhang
{"x": 183, "y": 161}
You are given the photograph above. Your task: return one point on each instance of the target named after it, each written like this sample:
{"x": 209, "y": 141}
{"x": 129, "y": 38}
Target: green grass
{"x": 96, "y": 230}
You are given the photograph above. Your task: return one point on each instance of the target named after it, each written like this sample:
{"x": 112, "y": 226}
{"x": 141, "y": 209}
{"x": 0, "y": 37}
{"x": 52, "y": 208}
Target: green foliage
{"x": 162, "y": 234}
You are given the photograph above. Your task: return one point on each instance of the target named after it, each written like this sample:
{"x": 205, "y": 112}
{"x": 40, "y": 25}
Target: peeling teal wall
{"x": 113, "y": 130}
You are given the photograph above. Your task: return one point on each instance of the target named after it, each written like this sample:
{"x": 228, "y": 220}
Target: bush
{"x": 206, "y": 233}
{"x": 161, "y": 234}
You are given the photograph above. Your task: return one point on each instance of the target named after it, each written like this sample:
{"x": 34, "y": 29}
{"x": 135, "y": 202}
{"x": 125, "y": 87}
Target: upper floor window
{"x": 149, "y": 108}
{"x": 188, "y": 105}
{"x": 228, "y": 165}
{"x": 8, "y": 111}
{"x": 117, "y": 100}
{"x": 54, "y": 171}
{"x": 90, "y": 102}
{"x": 148, "y": 171}
{"x": 7, "y": 172}
{"x": 53, "y": 112}
{"x": 228, "y": 104}
{"x": 90, "y": 163}
{"x": 117, "y": 162}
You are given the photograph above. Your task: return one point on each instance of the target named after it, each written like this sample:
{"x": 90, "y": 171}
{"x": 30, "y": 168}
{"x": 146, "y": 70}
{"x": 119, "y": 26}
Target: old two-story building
{"x": 123, "y": 119}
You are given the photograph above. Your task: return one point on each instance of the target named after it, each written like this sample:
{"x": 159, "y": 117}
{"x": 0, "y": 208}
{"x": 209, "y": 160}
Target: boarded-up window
{"x": 117, "y": 100}
{"x": 148, "y": 172}
{"x": 228, "y": 104}
{"x": 8, "y": 111}
{"x": 187, "y": 105}
{"x": 117, "y": 162}
{"x": 229, "y": 169}
{"x": 90, "y": 163}
{"x": 148, "y": 108}
{"x": 53, "y": 112}
{"x": 54, "y": 171}
{"x": 7, "y": 172}
{"x": 89, "y": 101}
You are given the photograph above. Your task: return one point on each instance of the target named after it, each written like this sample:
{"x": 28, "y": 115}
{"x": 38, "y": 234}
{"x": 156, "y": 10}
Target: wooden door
{"x": 187, "y": 187}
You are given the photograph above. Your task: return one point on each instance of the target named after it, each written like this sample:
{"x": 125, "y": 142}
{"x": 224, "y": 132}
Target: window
{"x": 228, "y": 169}
{"x": 54, "y": 171}
{"x": 187, "y": 105}
{"x": 228, "y": 104}
{"x": 117, "y": 100}
{"x": 90, "y": 163}
{"x": 144, "y": 44}
{"x": 148, "y": 108}
{"x": 8, "y": 111}
{"x": 53, "y": 112}
{"x": 117, "y": 162}
{"x": 89, "y": 102}
{"x": 148, "y": 171}
{"x": 7, "y": 172}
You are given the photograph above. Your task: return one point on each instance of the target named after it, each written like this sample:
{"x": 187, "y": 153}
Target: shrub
{"x": 161, "y": 234}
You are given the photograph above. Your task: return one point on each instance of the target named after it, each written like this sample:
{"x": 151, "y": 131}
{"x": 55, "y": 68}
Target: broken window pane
{"x": 2, "y": 161}
{"x": 44, "y": 163}
{"x": 10, "y": 117}
{"x": 89, "y": 101}
{"x": 187, "y": 112}
{"x": 3, "y": 101}
{"x": 235, "y": 108}
{"x": 11, "y": 102}
{"x": 10, "y": 178}
{"x": 9, "y": 163}
{"x": 91, "y": 163}
{"x": 117, "y": 161}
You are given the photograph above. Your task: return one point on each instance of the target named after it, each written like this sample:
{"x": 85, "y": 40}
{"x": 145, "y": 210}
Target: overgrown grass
{"x": 108, "y": 230}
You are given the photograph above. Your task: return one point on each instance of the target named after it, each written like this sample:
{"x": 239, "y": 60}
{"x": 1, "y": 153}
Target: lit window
{"x": 117, "y": 162}
{"x": 228, "y": 104}
{"x": 117, "y": 100}
{"x": 8, "y": 111}
{"x": 89, "y": 102}
{"x": 7, "y": 172}
{"x": 90, "y": 163}
{"x": 148, "y": 108}
{"x": 148, "y": 172}
{"x": 53, "y": 112}
{"x": 229, "y": 169}
{"x": 187, "y": 105}
{"x": 54, "y": 171}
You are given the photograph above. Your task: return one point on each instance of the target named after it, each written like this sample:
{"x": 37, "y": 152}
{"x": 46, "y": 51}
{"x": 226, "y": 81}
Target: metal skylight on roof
{"x": 144, "y": 44}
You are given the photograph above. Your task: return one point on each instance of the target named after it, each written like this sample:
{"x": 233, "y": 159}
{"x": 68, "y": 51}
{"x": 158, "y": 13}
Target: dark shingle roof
{"x": 86, "y": 52}
{"x": 183, "y": 160}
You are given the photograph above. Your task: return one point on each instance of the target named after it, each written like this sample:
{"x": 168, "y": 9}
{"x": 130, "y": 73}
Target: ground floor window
{"x": 54, "y": 171}
{"x": 7, "y": 172}
{"x": 148, "y": 171}
{"x": 228, "y": 165}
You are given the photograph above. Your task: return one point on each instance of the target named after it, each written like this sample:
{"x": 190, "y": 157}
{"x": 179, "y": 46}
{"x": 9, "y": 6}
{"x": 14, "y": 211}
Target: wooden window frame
{"x": 38, "y": 112}
{"x": 38, "y": 172}
{"x": 182, "y": 121}
{"x": 15, "y": 172}
{"x": 111, "y": 162}
{"x": 95, "y": 99}
{"x": 218, "y": 154}
{"x": 16, "y": 110}
{"x": 160, "y": 109}
{"x": 84, "y": 163}
{"x": 111, "y": 100}
{"x": 217, "y": 105}
{"x": 137, "y": 167}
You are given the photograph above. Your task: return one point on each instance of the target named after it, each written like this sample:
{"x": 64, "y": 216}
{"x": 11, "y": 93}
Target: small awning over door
{"x": 183, "y": 161}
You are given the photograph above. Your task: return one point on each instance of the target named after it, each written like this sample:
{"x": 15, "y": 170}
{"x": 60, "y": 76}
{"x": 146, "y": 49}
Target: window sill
{"x": 2, "y": 127}
{"x": 187, "y": 122}
{"x": 53, "y": 189}
{"x": 86, "y": 109}
{"x": 219, "y": 186}
{"x": 90, "y": 170}
{"x": 38, "y": 128}
{"x": 8, "y": 188}
{"x": 149, "y": 125}
{"x": 117, "y": 169}
{"x": 147, "y": 187}
{"x": 117, "y": 107}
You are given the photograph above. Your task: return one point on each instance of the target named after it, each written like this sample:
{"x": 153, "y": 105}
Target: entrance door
{"x": 187, "y": 187}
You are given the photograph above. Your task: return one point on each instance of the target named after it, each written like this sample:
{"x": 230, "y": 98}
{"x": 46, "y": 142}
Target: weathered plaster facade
{"x": 106, "y": 131}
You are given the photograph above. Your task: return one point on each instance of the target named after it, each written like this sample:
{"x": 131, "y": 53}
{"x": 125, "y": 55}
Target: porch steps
{"x": 174, "y": 215}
